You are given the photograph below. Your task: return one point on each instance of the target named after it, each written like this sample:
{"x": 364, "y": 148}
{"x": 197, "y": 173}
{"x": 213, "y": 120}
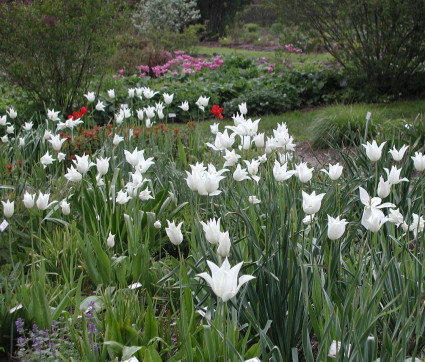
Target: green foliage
{"x": 54, "y": 49}
{"x": 341, "y": 125}
{"x": 243, "y": 80}
{"x": 380, "y": 43}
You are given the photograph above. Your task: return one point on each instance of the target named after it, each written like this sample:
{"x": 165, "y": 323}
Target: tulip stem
{"x": 330, "y": 268}
{"x": 10, "y": 247}
{"x": 32, "y": 240}
{"x": 376, "y": 178}
{"x": 224, "y": 331}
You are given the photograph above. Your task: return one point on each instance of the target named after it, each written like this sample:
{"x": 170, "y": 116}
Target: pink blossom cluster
{"x": 188, "y": 65}
{"x": 291, "y": 49}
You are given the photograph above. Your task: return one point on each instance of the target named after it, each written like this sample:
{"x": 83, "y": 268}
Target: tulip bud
{"x": 223, "y": 249}
{"x": 65, "y": 207}
{"x": 110, "y": 241}
{"x": 384, "y": 188}
{"x": 336, "y": 227}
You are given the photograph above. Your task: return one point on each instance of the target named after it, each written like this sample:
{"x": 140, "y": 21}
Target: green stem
{"x": 224, "y": 331}
{"x": 10, "y": 247}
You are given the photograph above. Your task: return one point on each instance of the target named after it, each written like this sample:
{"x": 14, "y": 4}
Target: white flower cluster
{"x": 172, "y": 15}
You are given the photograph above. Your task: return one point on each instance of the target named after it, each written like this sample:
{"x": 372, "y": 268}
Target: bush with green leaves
{"x": 53, "y": 49}
{"x": 379, "y": 42}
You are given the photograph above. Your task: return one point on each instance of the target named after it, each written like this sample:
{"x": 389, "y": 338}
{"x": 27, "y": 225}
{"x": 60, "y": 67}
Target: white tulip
{"x": 224, "y": 280}
{"x": 419, "y": 161}
{"x": 102, "y": 165}
{"x": 90, "y": 96}
{"x": 336, "y": 227}
{"x": 174, "y": 232}
{"x": 398, "y": 154}
{"x": 312, "y": 202}
{"x": 373, "y": 151}
{"x": 8, "y": 208}
{"x": 111, "y": 93}
{"x": 110, "y": 241}
{"x": 212, "y": 231}
{"x": 384, "y": 188}
{"x": 66, "y": 210}
{"x": 335, "y": 171}
{"x": 43, "y": 201}
{"x": 224, "y": 244}
{"x": 29, "y": 200}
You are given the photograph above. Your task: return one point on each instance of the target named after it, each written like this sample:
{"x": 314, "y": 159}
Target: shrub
{"x": 53, "y": 49}
{"x": 342, "y": 125}
{"x": 251, "y": 27}
{"x": 381, "y": 42}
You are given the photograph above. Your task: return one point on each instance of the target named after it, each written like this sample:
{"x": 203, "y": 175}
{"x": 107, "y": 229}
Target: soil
{"x": 314, "y": 156}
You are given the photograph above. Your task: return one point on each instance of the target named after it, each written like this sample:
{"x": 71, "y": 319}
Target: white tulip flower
{"x": 303, "y": 173}
{"x": 335, "y": 171}
{"x": 336, "y": 227}
{"x": 73, "y": 175}
{"x": 12, "y": 113}
{"x": 168, "y": 98}
{"x": 419, "y": 161}
{"x": 224, "y": 280}
{"x": 174, "y": 232}
{"x": 384, "y": 188}
{"x": 312, "y": 202}
{"x": 373, "y": 151}
{"x": 66, "y": 210}
{"x": 90, "y": 97}
{"x": 8, "y": 208}
{"x": 43, "y": 201}
{"x": 111, "y": 93}
{"x": 29, "y": 200}
{"x": 102, "y": 165}
{"x": 110, "y": 241}
{"x": 212, "y": 231}
{"x": 46, "y": 160}
{"x": 398, "y": 154}
{"x": 184, "y": 106}
{"x": 224, "y": 244}
{"x": 53, "y": 115}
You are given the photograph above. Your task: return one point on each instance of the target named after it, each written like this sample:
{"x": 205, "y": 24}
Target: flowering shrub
{"x": 180, "y": 64}
{"x": 172, "y": 15}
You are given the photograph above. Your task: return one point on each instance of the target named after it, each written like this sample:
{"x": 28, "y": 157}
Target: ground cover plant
{"x": 146, "y": 239}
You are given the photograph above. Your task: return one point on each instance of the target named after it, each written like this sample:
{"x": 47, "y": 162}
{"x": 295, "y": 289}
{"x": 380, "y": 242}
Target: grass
{"x": 308, "y": 58}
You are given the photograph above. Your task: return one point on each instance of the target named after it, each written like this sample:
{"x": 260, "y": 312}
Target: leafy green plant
{"x": 56, "y": 48}
{"x": 378, "y": 42}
